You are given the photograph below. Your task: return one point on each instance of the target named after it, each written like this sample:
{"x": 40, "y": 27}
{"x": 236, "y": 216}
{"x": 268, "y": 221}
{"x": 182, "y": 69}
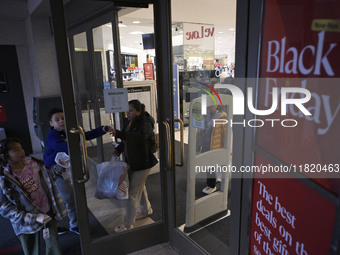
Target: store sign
{"x": 200, "y": 37}
{"x": 200, "y": 34}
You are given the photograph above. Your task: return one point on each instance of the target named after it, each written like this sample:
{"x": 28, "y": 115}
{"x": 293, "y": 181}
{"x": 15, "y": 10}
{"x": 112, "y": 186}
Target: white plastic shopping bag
{"x": 63, "y": 160}
{"x": 113, "y": 179}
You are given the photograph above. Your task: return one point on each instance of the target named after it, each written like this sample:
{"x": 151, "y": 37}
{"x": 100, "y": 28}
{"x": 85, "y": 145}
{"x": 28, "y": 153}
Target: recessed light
{"x": 220, "y": 32}
{"x": 136, "y": 22}
{"x": 122, "y": 25}
{"x": 232, "y": 29}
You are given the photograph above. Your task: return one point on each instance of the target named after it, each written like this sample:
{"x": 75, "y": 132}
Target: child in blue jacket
{"x": 56, "y": 142}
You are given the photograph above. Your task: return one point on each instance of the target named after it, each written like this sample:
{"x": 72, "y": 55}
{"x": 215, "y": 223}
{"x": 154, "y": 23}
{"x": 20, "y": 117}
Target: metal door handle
{"x": 80, "y": 131}
{"x": 182, "y": 141}
{"x": 167, "y": 128}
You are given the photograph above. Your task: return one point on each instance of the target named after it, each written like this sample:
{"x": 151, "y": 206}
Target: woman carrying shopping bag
{"x": 138, "y": 142}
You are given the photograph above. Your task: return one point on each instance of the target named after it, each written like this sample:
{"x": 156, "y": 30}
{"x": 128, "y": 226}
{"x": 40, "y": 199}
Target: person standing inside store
{"x": 138, "y": 140}
{"x": 29, "y": 199}
{"x": 56, "y": 142}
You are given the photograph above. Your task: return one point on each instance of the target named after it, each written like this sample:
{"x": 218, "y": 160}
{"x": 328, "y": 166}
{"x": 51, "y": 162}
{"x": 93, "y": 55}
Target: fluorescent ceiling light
{"x": 220, "y": 32}
{"x": 136, "y": 22}
{"x": 136, "y": 33}
{"x": 232, "y": 29}
{"x": 122, "y": 25}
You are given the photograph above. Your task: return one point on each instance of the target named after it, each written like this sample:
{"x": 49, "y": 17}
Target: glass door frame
{"x": 145, "y": 236}
{"x": 165, "y": 230}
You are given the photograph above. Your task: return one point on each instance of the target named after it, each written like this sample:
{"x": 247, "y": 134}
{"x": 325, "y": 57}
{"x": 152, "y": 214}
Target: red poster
{"x": 148, "y": 71}
{"x": 286, "y": 218}
{"x": 3, "y": 117}
{"x": 301, "y": 48}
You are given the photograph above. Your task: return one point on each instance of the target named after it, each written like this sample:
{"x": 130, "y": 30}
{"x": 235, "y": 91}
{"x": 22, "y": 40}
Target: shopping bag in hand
{"x": 113, "y": 179}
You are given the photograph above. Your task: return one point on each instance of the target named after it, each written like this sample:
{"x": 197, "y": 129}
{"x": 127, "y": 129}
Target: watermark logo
{"x": 204, "y": 97}
{"x": 238, "y": 104}
{"x": 238, "y": 100}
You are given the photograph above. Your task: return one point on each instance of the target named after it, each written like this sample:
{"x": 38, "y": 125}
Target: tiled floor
{"x": 161, "y": 249}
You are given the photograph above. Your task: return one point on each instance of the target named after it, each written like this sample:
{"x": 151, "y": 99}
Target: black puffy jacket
{"x": 139, "y": 140}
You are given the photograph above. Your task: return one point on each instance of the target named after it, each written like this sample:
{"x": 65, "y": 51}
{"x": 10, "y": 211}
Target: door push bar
{"x": 167, "y": 128}
{"x": 80, "y": 131}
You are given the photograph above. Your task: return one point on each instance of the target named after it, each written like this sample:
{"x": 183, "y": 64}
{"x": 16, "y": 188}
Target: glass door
{"x": 203, "y": 65}
{"x": 96, "y": 58}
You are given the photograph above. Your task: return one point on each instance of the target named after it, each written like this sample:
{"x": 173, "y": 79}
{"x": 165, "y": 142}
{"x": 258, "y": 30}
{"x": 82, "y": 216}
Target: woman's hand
{"x": 111, "y": 130}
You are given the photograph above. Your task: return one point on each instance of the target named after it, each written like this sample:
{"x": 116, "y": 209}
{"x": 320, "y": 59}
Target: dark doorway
{"x": 13, "y": 112}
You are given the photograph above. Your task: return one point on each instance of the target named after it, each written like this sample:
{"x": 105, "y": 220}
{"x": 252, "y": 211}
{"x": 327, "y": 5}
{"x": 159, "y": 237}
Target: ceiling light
{"x": 122, "y": 25}
{"x": 109, "y": 25}
{"x": 220, "y": 32}
{"x": 136, "y": 22}
{"x": 232, "y": 29}
{"x": 136, "y": 33}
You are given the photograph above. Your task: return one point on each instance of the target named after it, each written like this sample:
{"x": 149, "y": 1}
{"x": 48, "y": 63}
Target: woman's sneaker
{"x": 207, "y": 190}
{"x": 140, "y": 215}
{"x": 122, "y": 228}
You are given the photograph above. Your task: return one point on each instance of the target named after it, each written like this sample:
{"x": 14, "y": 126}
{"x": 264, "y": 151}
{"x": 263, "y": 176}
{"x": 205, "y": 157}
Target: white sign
{"x": 116, "y": 100}
{"x": 143, "y": 94}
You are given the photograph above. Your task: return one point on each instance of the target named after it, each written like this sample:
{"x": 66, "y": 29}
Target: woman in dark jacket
{"x": 137, "y": 147}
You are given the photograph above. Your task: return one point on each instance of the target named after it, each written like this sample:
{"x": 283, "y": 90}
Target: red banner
{"x": 301, "y": 48}
{"x": 148, "y": 71}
